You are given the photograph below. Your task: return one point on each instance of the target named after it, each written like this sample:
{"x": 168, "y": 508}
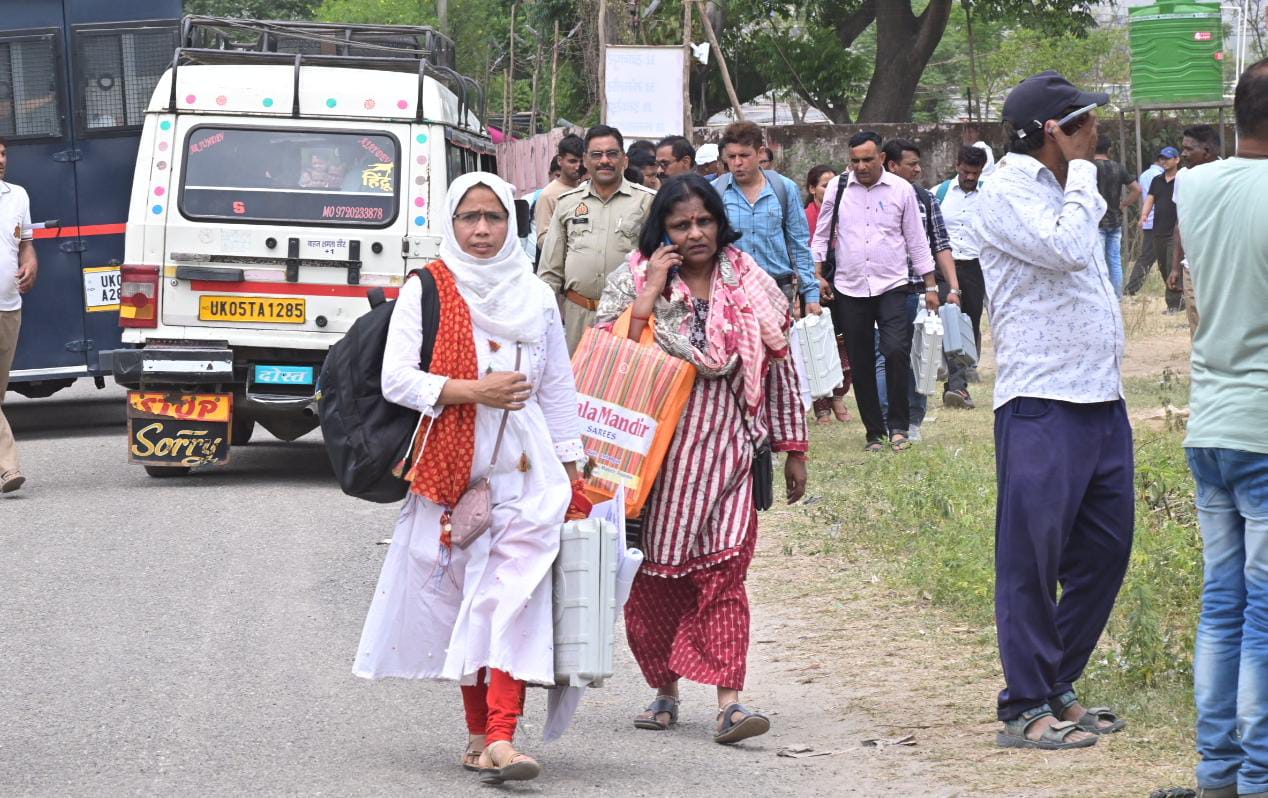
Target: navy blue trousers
{"x": 1064, "y": 516}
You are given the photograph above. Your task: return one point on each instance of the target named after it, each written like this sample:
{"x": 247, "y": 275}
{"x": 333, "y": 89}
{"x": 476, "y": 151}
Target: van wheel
{"x": 243, "y": 428}
{"x": 159, "y": 472}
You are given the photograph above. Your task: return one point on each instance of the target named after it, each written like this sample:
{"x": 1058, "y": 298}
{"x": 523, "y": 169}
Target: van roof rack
{"x": 393, "y": 48}
{"x": 415, "y": 42}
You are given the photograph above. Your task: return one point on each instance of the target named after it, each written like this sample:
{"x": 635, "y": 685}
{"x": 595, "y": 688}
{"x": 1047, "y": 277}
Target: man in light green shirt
{"x": 1223, "y": 215}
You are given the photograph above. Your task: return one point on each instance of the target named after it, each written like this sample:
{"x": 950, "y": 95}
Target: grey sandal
{"x": 1052, "y": 739}
{"x": 751, "y": 724}
{"x": 665, "y": 704}
{"x": 1093, "y": 719}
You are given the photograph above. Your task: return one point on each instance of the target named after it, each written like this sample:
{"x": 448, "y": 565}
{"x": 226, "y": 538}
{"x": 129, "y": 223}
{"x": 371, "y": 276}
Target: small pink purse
{"x": 472, "y": 516}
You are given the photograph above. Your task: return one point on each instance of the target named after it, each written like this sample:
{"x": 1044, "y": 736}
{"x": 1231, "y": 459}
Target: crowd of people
{"x": 723, "y": 253}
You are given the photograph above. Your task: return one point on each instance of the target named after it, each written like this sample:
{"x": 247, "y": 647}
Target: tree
{"x": 906, "y": 33}
{"x": 254, "y": 9}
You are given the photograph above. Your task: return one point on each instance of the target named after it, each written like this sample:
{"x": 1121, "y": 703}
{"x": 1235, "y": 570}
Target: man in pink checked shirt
{"x": 877, "y": 228}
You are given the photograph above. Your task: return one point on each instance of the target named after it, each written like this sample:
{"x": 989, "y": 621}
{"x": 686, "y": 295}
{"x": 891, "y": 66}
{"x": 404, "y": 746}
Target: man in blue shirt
{"x": 1146, "y": 259}
{"x": 766, "y": 208}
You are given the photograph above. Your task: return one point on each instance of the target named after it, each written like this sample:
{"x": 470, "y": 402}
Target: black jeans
{"x": 1144, "y": 259}
{"x": 855, "y": 318}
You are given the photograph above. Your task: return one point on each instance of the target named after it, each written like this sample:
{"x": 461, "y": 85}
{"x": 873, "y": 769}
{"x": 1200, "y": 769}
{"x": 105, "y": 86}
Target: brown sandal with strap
{"x": 515, "y": 767}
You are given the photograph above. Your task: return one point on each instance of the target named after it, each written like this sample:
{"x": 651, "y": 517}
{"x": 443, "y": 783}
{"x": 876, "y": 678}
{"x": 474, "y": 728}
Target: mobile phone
{"x": 1066, "y": 123}
{"x": 666, "y": 240}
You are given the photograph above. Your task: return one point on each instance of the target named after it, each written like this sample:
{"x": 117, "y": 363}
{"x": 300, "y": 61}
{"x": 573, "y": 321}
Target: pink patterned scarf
{"x": 748, "y": 320}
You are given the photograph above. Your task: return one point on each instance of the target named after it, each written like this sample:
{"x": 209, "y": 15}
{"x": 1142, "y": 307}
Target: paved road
{"x": 194, "y": 636}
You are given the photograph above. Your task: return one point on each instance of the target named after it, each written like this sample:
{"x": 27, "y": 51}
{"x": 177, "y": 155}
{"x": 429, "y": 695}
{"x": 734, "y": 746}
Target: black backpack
{"x": 366, "y": 435}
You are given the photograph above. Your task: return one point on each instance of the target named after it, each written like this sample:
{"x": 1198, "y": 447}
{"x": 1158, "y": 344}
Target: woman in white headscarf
{"x": 482, "y": 615}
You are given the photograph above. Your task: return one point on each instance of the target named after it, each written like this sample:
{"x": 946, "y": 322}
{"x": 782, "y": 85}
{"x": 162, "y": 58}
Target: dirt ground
{"x": 842, "y": 657}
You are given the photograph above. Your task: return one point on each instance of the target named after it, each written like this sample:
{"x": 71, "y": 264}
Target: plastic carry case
{"x": 585, "y": 602}
{"x": 926, "y": 352}
{"x": 958, "y": 342}
{"x": 816, "y": 340}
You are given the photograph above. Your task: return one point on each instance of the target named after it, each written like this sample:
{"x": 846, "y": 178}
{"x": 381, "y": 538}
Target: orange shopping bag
{"x": 630, "y": 397}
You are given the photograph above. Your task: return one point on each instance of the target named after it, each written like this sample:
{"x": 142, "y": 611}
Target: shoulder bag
{"x": 829, "y": 271}
{"x": 473, "y": 515}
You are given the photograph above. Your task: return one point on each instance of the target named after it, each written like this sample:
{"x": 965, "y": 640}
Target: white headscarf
{"x": 501, "y": 291}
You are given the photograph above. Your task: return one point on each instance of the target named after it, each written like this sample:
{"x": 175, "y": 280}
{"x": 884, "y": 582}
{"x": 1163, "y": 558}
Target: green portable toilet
{"x": 1177, "y": 52}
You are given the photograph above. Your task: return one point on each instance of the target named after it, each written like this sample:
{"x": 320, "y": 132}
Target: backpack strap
{"x": 941, "y": 191}
{"x": 430, "y": 314}
{"x": 780, "y": 188}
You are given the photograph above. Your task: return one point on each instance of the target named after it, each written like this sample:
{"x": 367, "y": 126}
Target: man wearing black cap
{"x": 1063, "y": 444}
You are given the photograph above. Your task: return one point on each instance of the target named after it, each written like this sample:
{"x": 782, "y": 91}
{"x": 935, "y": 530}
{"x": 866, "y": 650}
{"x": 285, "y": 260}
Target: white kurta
{"x": 444, "y": 614}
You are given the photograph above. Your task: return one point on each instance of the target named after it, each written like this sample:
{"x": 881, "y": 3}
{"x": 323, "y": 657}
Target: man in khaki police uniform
{"x": 594, "y": 227}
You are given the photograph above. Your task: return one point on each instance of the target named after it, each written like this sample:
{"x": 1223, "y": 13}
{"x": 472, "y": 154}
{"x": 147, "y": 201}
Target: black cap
{"x": 1045, "y": 96}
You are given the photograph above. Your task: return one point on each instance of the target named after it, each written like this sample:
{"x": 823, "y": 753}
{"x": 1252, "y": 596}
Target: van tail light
{"x": 138, "y": 296}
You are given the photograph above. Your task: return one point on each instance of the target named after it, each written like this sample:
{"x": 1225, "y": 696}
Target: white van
{"x": 272, "y": 192}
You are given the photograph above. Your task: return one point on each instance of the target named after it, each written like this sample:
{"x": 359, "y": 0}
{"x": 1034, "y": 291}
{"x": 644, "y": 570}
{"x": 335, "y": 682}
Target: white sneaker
{"x": 913, "y": 433}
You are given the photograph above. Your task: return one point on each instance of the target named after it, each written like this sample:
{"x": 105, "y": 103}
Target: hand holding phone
{"x": 1075, "y": 134}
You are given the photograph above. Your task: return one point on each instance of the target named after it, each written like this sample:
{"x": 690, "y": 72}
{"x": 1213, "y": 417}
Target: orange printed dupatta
{"x": 442, "y": 469}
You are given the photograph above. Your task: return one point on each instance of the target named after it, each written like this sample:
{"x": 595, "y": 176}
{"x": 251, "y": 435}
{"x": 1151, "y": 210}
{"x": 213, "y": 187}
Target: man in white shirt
{"x": 17, "y": 276}
{"x": 958, "y": 198}
{"x": 1065, "y": 510}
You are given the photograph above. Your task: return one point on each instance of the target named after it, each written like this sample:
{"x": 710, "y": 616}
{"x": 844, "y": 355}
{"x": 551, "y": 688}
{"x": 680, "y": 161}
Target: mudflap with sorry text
{"x": 178, "y": 430}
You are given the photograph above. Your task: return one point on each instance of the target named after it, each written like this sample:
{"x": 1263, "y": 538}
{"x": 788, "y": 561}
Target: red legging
{"x": 493, "y": 708}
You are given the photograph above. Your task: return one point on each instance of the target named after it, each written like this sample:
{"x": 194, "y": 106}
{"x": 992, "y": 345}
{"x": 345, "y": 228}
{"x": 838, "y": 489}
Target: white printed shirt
{"x": 958, "y": 208}
{"x": 1055, "y": 318}
{"x": 15, "y": 215}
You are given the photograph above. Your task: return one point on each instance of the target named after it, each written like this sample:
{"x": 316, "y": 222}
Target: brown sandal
{"x": 471, "y": 757}
{"x": 516, "y": 767}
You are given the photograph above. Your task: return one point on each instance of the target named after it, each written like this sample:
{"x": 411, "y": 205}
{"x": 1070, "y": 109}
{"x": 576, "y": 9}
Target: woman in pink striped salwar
{"x": 688, "y": 612}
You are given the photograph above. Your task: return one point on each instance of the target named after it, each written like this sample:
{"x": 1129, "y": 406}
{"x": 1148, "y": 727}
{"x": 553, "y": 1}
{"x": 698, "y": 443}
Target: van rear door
{"x": 281, "y": 225}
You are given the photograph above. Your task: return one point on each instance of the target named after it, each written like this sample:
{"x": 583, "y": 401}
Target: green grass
{"x": 928, "y": 517}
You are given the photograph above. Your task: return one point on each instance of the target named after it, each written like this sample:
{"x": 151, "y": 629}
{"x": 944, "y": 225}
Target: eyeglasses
{"x": 611, "y": 155}
{"x": 667, "y": 164}
{"x": 472, "y": 218}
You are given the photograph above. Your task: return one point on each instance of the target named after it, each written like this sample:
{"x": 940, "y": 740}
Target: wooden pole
{"x": 603, "y": 61}
{"x": 537, "y": 67}
{"x": 510, "y": 80}
{"x": 717, "y": 49}
{"x": 442, "y": 15}
{"x": 686, "y": 70}
{"x": 974, "y": 113}
{"x": 554, "y": 77}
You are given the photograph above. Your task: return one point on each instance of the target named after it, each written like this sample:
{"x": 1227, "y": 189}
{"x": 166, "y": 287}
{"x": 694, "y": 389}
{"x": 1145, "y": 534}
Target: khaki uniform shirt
{"x": 588, "y": 238}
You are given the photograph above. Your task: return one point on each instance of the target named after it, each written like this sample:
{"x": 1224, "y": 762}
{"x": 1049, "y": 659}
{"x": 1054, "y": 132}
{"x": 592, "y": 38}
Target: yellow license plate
{"x": 252, "y": 309}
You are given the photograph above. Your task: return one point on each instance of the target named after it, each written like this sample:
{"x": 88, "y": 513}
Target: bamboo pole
{"x": 537, "y": 66}
{"x": 726, "y": 73}
{"x": 603, "y": 61}
{"x": 686, "y": 69}
{"x": 554, "y": 77}
{"x": 507, "y": 111}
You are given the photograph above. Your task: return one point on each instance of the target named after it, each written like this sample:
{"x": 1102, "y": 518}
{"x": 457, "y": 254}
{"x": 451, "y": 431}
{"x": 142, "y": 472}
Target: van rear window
{"x": 322, "y": 178}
